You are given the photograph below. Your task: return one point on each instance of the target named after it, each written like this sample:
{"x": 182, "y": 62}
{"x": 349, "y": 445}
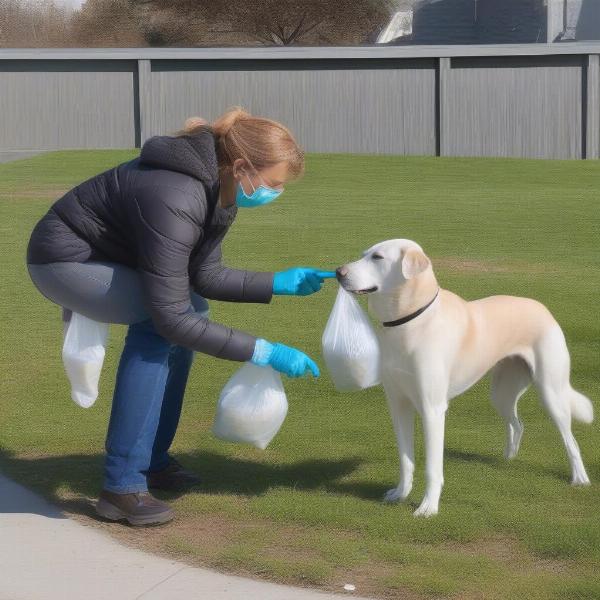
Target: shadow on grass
{"x": 560, "y": 471}
{"x": 372, "y": 490}
{"x": 81, "y": 475}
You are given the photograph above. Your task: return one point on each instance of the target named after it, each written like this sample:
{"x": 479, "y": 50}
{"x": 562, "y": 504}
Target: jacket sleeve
{"x": 215, "y": 281}
{"x": 167, "y": 223}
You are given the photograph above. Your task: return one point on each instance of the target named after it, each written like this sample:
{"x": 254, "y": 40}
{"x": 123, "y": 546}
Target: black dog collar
{"x": 410, "y": 317}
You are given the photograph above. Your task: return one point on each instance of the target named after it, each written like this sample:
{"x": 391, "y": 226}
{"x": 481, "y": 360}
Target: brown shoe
{"x": 139, "y": 508}
{"x": 173, "y": 478}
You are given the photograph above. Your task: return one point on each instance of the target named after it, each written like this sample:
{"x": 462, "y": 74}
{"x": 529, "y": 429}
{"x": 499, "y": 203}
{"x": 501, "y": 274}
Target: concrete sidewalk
{"x": 46, "y": 556}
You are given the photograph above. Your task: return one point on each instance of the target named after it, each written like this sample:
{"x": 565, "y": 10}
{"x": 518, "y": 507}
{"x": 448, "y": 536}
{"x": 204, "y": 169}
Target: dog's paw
{"x": 396, "y": 494}
{"x": 427, "y": 509}
{"x": 580, "y": 479}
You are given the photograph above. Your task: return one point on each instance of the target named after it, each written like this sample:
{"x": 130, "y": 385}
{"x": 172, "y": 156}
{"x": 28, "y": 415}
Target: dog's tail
{"x": 581, "y": 406}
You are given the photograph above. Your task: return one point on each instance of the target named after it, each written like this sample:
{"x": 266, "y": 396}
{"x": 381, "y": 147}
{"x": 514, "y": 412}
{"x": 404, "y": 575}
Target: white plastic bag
{"x": 83, "y": 356}
{"x": 251, "y": 407}
{"x": 350, "y": 346}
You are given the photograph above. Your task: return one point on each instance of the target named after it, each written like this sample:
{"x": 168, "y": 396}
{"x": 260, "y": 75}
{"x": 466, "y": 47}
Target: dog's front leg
{"x": 433, "y": 431}
{"x": 403, "y": 419}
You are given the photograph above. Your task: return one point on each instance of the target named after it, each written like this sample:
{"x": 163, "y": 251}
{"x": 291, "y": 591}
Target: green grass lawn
{"x": 308, "y": 509}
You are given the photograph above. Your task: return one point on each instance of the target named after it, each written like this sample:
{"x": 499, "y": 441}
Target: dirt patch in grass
{"x": 362, "y": 578}
{"x": 37, "y": 193}
{"x": 507, "y": 551}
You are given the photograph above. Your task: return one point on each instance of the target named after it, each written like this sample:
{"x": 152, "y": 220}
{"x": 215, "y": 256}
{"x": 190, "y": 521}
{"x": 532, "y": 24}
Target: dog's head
{"x": 384, "y": 267}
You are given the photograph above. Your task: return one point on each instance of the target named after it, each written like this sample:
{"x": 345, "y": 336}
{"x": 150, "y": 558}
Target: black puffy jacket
{"x": 158, "y": 213}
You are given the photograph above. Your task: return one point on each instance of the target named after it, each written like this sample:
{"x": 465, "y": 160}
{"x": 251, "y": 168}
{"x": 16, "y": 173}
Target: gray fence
{"x": 538, "y": 100}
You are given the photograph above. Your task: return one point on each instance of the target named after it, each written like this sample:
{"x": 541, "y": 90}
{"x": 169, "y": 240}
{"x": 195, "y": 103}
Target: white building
{"x": 492, "y": 22}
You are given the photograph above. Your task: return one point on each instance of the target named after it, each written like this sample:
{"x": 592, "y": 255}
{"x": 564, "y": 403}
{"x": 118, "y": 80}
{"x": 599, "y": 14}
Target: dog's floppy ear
{"x": 414, "y": 262}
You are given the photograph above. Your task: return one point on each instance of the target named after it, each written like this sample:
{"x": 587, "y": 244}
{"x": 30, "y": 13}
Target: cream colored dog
{"x": 435, "y": 345}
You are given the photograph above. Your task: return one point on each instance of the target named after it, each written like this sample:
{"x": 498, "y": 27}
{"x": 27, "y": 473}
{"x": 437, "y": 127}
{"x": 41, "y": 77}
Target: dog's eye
{"x": 377, "y": 257}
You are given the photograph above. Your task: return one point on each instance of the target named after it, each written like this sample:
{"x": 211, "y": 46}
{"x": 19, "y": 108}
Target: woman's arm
{"x": 166, "y": 224}
{"x": 215, "y": 281}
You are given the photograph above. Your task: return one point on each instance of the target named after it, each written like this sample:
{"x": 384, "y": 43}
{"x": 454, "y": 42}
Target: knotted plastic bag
{"x": 252, "y": 406}
{"x": 83, "y": 356}
{"x": 350, "y": 346}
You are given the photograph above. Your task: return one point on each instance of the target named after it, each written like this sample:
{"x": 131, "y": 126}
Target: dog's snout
{"x": 341, "y": 272}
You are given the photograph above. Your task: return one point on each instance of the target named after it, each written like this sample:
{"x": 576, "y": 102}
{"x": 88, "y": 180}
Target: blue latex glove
{"x": 299, "y": 281}
{"x": 282, "y": 358}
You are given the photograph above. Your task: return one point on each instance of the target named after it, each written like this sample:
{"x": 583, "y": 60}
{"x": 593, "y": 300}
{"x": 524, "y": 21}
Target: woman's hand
{"x": 300, "y": 281}
{"x": 284, "y": 359}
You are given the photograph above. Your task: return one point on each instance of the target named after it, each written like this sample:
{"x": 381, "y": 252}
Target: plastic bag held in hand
{"x": 252, "y": 406}
{"x": 83, "y": 356}
{"x": 350, "y": 346}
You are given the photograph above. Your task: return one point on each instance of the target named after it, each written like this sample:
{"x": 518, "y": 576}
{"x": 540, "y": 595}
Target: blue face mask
{"x": 263, "y": 194}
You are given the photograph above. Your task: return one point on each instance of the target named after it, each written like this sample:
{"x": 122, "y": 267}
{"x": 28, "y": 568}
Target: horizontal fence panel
{"x": 514, "y": 107}
{"x": 527, "y": 100}
{"x": 304, "y": 52}
{"x": 67, "y": 104}
{"x": 380, "y": 107}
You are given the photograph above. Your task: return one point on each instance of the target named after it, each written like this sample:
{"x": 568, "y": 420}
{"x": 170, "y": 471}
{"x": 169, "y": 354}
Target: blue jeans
{"x": 152, "y": 373}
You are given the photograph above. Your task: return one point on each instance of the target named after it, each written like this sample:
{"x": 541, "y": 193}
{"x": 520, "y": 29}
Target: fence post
{"x": 592, "y": 109}
{"x": 143, "y": 99}
{"x": 442, "y": 105}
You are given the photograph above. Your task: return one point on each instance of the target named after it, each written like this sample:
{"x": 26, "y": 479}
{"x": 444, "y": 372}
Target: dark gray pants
{"x": 152, "y": 374}
{"x": 107, "y": 292}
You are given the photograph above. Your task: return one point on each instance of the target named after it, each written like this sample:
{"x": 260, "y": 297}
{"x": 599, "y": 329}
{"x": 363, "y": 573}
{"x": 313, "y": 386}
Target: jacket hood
{"x": 194, "y": 155}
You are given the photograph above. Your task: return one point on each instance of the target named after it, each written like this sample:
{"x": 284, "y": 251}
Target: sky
{"x": 72, "y": 3}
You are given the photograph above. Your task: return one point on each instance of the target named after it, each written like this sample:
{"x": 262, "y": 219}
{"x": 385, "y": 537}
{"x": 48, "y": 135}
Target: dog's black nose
{"x": 341, "y": 272}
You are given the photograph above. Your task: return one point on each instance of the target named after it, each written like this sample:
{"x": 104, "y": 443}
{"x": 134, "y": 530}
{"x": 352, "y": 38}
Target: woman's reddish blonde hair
{"x": 261, "y": 142}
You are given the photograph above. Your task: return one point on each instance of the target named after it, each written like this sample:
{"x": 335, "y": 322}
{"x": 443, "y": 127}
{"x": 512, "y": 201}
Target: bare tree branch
{"x": 124, "y": 23}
